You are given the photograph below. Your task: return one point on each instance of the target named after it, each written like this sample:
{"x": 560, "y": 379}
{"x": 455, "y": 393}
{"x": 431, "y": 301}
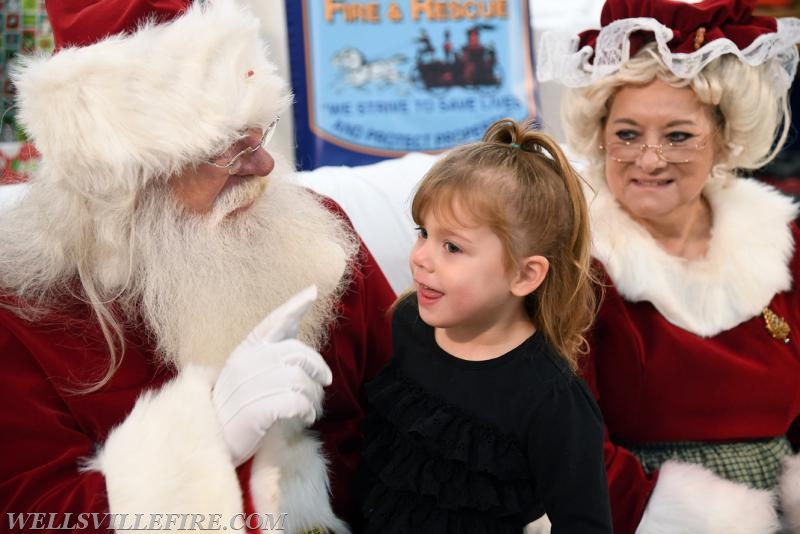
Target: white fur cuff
{"x": 691, "y": 499}
{"x": 790, "y": 492}
{"x": 540, "y": 526}
{"x": 169, "y": 456}
{"x": 290, "y": 474}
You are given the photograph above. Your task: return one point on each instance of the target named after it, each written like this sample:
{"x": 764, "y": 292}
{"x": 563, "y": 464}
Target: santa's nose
{"x": 258, "y": 163}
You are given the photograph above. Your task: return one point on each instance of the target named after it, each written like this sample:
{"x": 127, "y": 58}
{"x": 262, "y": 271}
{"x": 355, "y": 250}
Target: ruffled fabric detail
{"x": 562, "y": 58}
{"x": 432, "y": 465}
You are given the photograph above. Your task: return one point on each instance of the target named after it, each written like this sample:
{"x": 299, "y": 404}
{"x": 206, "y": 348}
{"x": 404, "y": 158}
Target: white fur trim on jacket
{"x": 168, "y": 456}
{"x": 746, "y": 265}
{"x": 131, "y": 108}
{"x": 689, "y": 498}
{"x": 540, "y": 526}
{"x": 290, "y": 474}
{"x": 790, "y": 492}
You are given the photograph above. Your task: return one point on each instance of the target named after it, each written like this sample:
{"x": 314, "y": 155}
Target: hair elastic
{"x": 515, "y": 145}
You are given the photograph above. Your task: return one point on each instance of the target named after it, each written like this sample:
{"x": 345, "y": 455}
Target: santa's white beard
{"x": 202, "y": 283}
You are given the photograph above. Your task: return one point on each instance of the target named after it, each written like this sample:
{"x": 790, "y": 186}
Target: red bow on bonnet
{"x": 693, "y": 23}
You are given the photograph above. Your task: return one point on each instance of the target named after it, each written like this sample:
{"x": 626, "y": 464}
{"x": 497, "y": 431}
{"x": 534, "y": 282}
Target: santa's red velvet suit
{"x": 681, "y": 352}
{"x": 50, "y": 432}
{"x": 118, "y": 120}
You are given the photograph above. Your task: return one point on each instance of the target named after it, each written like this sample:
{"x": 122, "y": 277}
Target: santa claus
{"x": 137, "y": 374}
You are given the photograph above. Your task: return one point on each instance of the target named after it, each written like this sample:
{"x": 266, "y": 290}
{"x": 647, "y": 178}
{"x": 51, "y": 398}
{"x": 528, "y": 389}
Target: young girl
{"x": 480, "y": 424}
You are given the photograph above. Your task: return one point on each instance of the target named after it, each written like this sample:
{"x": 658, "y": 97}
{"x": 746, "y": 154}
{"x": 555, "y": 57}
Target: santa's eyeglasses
{"x": 231, "y": 158}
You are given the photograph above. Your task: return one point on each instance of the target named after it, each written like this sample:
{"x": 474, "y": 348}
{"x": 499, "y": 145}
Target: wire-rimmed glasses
{"x": 231, "y": 158}
{"x": 627, "y": 152}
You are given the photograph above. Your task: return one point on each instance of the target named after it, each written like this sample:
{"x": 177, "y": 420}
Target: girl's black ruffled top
{"x": 482, "y": 447}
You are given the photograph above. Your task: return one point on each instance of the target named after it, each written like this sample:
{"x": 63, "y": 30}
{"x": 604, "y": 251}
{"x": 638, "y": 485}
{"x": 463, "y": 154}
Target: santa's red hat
{"x": 140, "y": 89}
{"x": 81, "y": 23}
{"x": 689, "y": 34}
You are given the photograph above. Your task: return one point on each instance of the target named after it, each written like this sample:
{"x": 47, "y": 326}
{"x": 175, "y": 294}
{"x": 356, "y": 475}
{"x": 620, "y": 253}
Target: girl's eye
{"x": 677, "y": 138}
{"x": 421, "y": 232}
{"x": 451, "y": 248}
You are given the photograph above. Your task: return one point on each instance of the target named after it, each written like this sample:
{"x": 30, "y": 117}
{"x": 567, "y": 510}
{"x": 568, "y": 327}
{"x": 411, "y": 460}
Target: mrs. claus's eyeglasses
{"x": 627, "y": 152}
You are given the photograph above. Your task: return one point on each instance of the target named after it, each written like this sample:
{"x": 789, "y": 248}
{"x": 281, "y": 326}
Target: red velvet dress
{"x": 48, "y": 432}
{"x": 715, "y": 376}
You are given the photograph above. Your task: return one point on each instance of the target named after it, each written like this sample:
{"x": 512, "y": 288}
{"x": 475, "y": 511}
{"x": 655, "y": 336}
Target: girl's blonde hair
{"x": 520, "y": 184}
{"x": 751, "y": 115}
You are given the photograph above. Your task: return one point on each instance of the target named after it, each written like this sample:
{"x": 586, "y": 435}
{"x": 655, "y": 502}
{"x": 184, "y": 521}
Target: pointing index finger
{"x": 282, "y": 323}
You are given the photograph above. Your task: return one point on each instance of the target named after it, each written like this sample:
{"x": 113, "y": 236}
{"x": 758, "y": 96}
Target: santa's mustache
{"x": 232, "y": 199}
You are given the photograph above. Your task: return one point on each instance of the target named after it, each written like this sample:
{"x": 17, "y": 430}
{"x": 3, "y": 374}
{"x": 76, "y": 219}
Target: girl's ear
{"x": 531, "y": 274}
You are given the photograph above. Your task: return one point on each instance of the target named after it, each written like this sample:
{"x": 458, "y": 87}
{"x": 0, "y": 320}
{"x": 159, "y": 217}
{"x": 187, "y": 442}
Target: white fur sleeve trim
{"x": 690, "y": 498}
{"x": 540, "y": 526}
{"x": 168, "y": 456}
{"x": 290, "y": 473}
{"x": 790, "y": 492}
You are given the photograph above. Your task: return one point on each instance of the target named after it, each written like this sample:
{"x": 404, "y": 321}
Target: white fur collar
{"x": 746, "y": 265}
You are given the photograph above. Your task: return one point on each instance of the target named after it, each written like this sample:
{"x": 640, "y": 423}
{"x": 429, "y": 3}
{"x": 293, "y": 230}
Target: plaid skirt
{"x": 756, "y": 463}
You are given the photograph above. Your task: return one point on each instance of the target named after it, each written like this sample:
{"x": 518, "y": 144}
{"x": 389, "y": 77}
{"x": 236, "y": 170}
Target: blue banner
{"x": 379, "y": 79}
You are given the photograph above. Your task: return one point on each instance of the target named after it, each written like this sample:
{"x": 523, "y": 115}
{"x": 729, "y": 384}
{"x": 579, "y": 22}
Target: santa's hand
{"x": 690, "y": 498}
{"x": 270, "y": 376}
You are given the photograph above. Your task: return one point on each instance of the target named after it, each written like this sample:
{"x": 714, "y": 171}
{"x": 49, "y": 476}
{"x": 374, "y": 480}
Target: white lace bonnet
{"x": 688, "y": 35}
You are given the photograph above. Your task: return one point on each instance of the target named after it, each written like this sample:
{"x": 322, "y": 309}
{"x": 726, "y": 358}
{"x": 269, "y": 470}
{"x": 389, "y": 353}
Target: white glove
{"x": 270, "y": 376}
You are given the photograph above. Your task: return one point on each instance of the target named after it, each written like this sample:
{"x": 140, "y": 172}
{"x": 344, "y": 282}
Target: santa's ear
{"x": 530, "y": 274}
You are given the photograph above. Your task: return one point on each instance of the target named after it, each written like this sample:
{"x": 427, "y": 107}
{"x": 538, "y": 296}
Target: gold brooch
{"x": 699, "y": 37}
{"x": 776, "y": 325}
